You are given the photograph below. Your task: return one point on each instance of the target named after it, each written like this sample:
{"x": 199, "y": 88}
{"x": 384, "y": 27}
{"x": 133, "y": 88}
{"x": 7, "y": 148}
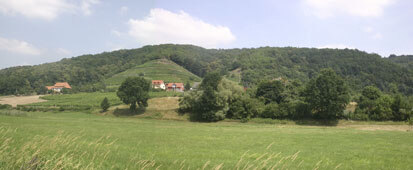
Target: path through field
{"x": 19, "y": 100}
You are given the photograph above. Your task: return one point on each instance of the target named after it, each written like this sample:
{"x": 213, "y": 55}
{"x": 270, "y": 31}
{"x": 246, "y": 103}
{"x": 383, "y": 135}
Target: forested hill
{"x": 403, "y": 60}
{"x": 87, "y": 72}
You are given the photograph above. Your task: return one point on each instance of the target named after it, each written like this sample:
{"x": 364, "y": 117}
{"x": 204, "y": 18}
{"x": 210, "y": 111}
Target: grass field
{"x": 165, "y": 70}
{"x": 71, "y": 140}
{"x": 91, "y": 100}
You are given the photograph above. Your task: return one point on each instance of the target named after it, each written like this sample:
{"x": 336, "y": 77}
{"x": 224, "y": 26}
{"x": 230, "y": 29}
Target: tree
{"x": 211, "y": 80}
{"x": 134, "y": 91}
{"x": 105, "y": 104}
{"x": 187, "y": 86}
{"x": 327, "y": 95}
{"x": 271, "y": 91}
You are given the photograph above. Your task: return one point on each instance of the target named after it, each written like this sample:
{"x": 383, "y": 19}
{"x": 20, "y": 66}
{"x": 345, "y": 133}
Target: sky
{"x": 39, "y": 31}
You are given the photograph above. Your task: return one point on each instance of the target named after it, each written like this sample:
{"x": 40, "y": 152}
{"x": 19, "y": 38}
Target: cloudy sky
{"x": 38, "y": 31}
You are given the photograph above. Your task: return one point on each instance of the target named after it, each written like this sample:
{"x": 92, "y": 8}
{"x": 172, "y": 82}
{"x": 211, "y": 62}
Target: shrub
{"x": 5, "y": 106}
{"x": 105, "y": 104}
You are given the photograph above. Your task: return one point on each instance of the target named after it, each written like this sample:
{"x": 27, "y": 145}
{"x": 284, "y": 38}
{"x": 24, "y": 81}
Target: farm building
{"x": 59, "y": 86}
{"x": 158, "y": 84}
{"x": 175, "y": 87}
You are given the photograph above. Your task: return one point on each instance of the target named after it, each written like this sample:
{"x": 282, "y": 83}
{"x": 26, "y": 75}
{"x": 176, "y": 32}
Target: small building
{"x": 158, "y": 84}
{"x": 175, "y": 87}
{"x": 59, "y": 86}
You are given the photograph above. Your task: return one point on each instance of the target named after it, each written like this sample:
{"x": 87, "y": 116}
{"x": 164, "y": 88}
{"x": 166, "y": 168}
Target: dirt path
{"x": 15, "y": 100}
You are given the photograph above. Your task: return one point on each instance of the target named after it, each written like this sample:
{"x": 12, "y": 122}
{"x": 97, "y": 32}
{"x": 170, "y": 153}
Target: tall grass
{"x": 73, "y": 151}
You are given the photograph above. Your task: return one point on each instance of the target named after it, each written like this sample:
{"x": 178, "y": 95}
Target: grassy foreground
{"x": 72, "y": 140}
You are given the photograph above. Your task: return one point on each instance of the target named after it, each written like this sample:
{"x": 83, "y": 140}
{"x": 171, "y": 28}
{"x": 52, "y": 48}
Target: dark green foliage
{"x": 135, "y": 91}
{"x": 211, "y": 80}
{"x": 327, "y": 95}
{"x": 187, "y": 86}
{"x": 373, "y": 105}
{"x": 402, "y": 110}
{"x": 5, "y": 106}
{"x": 244, "y": 108}
{"x": 271, "y": 91}
{"x": 371, "y": 92}
{"x": 105, "y": 104}
{"x": 208, "y": 109}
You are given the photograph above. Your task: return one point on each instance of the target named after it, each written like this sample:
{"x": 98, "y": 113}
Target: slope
{"x": 161, "y": 69}
{"x": 254, "y": 64}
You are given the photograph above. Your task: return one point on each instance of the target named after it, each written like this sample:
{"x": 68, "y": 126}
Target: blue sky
{"x": 39, "y": 31}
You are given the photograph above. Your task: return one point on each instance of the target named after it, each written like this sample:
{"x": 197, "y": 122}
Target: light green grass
{"x": 91, "y": 100}
{"x": 89, "y": 141}
{"x": 165, "y": 70}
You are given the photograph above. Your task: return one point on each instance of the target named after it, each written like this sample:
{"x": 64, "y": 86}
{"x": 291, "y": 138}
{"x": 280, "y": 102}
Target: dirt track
{"x": 15, "y": 100}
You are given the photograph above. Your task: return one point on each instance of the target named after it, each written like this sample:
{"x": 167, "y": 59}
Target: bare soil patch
{"x": 20, "y": 100}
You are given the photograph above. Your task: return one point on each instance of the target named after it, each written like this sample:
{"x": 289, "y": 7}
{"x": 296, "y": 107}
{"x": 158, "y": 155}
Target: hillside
{"x": 162, "y": 69}
{"x": 90, "y": 72}
{"x": 403, "y": 60}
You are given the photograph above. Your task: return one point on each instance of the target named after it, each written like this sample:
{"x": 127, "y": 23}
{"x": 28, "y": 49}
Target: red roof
{"x": 62, "y": 84}
{"x": 59, "y": 85}
{"x": 157, "y": 82}
{"x": 177, "y": 85}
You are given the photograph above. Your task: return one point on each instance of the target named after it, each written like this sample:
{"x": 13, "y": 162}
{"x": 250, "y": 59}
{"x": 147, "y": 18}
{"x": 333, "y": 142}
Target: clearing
{"x": 20, "y": 100}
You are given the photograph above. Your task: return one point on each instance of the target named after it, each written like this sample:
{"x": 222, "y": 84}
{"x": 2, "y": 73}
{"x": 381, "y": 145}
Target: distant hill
{"x": 160, "y": 69}
{"x": 402, "y": 60}
{"x": 248, "y": 66}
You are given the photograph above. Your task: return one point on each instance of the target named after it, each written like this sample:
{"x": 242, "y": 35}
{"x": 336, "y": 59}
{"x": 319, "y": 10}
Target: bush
{"x": 105, "y": 104}
{"x": 5, "y": 106}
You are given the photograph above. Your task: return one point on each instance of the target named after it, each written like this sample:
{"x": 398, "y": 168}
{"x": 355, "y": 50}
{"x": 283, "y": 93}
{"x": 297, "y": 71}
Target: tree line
{"x": 324, "y": 97}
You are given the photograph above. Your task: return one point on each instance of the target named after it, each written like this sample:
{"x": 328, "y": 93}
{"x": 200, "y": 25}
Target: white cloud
{"x": 336, "y": 46}
{"x": 361, "y": 8}
{"x": 124, "y": 10}
{"x": 19, "y": 47}
{"x": 45, "y": 9}
{"x": 86, "y": 4}
{"x": 162, "y": 26}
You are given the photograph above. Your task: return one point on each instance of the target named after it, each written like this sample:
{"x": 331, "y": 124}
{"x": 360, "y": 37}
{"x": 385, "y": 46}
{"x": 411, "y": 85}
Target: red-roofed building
{"x": 158, "y": 84}
{"x": 59, "y": 86}
{"x": 175, "y": 87}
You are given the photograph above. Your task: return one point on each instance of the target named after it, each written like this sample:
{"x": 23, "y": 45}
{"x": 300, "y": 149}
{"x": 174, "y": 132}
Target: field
{"x": 87, "y": 101}
{"x": 15, "y": 100}
{"x": 155, "y": 70}
{"x": 74, "y": 140}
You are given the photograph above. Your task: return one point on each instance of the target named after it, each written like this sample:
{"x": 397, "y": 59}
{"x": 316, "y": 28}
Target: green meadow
{"x": 75, "y": 140}
{"x": 165, "y": 70}
{"x": 91, "y": 100}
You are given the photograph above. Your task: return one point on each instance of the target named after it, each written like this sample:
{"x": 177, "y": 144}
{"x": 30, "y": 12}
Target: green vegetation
{"x": 327, "y": 95}
{"x": 84, "y": 101}
{"x": 105, "y": 104}
{"x": 165, "y": 70}
{"x": 374, "y": 105}
{"x": 85, "y": 141}
{"x": 134, "y": 91}
{"x": 90, "y": 72}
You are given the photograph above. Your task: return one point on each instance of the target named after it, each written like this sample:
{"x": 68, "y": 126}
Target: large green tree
{"x": 271, "y": 91}
{"x": 134, "y": 91}
{"x": 327, "y": 95}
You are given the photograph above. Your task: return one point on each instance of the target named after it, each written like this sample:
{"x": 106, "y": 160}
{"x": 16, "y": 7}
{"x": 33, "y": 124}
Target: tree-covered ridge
{"x": 403, "y": 60}
{"x": 87, "y": 72}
